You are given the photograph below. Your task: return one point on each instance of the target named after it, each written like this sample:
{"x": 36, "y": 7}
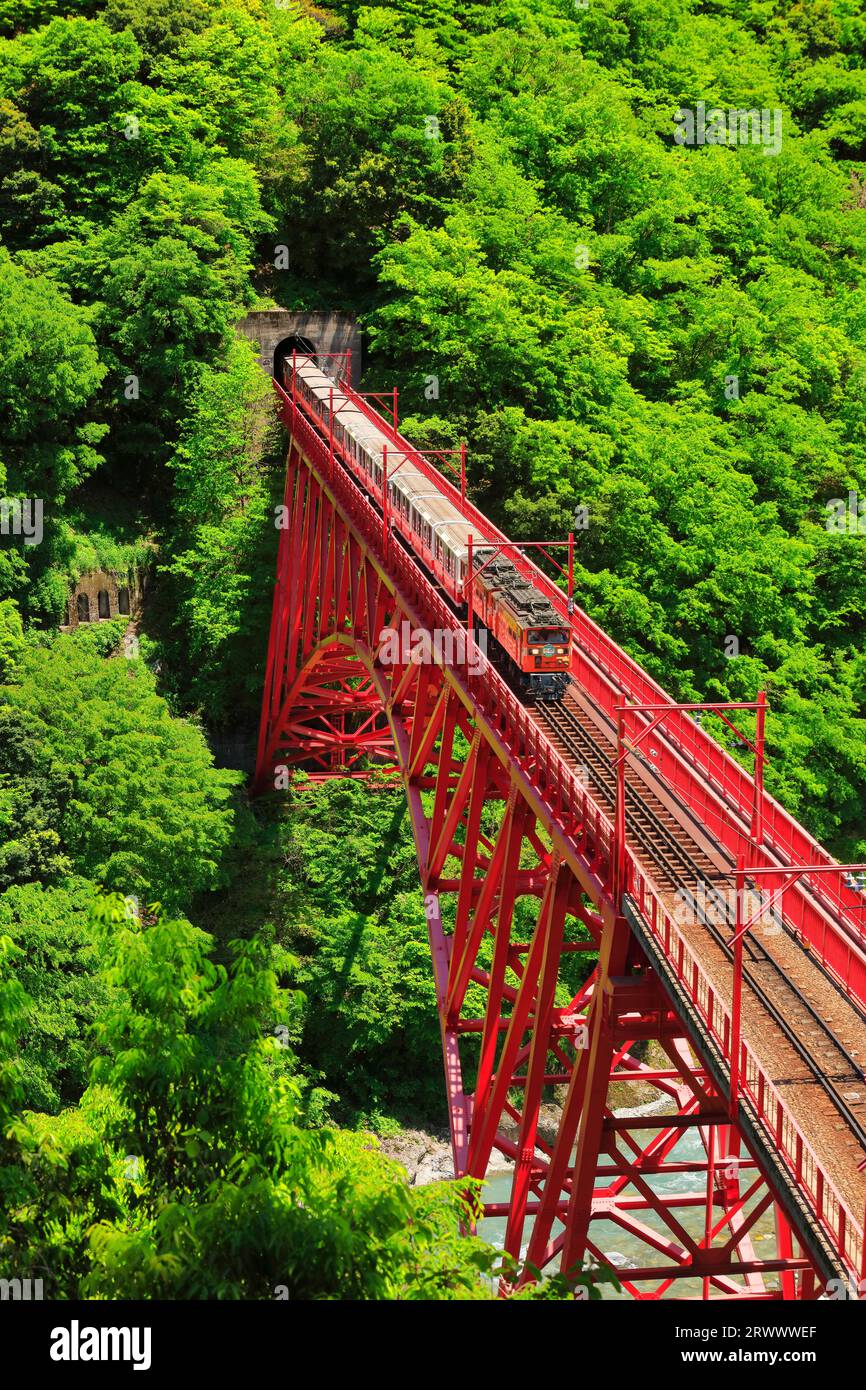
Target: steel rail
{"x": 528, "y": 744}
{"x": 676, "y": 850}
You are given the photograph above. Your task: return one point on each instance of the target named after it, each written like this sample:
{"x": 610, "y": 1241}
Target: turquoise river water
{"x": 624, "y": 1251}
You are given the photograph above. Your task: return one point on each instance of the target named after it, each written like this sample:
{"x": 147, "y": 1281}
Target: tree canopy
{"x": 660, "y": 334}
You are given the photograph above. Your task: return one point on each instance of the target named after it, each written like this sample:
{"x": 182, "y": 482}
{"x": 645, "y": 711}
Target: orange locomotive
{"x": 533, "y": 642}
{"x": 528, "y": 639}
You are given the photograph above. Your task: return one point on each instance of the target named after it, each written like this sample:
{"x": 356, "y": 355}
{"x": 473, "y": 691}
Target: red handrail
{"x": 711, "y": 783}
{"x": 574, "y": 810}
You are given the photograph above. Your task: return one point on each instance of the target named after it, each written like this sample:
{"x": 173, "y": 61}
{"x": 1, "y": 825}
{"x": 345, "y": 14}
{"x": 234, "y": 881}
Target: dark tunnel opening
{"x": 297, "y": 343}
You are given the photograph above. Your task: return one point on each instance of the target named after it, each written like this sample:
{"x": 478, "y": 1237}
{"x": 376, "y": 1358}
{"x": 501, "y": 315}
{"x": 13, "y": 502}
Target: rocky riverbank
{"x": 427, "y": 1156}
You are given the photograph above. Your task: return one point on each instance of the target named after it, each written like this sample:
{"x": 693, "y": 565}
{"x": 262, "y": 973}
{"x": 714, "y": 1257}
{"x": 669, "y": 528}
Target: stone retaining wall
{"x": 101, "y": 594}
{"x": 327, "y": 330}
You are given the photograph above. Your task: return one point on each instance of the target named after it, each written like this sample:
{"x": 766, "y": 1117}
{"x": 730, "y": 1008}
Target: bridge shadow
{"x": 389, "y": 840}
{"x": 256, "y": 887}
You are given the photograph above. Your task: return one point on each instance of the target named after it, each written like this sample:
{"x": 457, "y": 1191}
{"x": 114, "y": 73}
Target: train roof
{"x": 529, "y": 606}
{"x": 404, "y": 474}
{"x": 408, "y": 479}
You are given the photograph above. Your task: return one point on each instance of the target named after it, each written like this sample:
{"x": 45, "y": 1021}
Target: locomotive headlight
{"x": 560, "y": 651}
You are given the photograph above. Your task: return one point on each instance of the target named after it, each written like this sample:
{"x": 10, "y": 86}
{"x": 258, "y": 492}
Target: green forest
{"x": 208, "y": 1004}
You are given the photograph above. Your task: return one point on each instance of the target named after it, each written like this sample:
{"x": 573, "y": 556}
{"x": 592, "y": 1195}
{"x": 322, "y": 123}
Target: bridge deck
{"x": 803, "y": 1044}
{"x": 809, "y": 1036}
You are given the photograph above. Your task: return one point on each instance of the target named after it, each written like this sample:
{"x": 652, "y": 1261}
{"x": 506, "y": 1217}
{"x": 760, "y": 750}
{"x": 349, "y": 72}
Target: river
{"x": 622, "y": 1250}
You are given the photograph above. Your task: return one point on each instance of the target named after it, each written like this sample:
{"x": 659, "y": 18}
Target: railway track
{"x": 676, "y": 867}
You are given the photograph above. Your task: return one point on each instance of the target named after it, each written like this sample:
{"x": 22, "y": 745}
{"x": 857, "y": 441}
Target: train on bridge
{"x": 759, "y": 1053}
{"x": 524, "y": 635}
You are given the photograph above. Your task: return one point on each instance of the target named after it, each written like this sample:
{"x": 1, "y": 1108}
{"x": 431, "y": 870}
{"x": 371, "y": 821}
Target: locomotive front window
{"x": 550, "y": 635}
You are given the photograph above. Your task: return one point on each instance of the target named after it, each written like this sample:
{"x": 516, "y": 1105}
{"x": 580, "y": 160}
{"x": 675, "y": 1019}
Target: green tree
{"x": 227, "y": 474}
{"x": 51, "y": 372}
{"x": 130, "y": 793}
{"x": 231, "y": 1198}
{"x": 60, "y": 971}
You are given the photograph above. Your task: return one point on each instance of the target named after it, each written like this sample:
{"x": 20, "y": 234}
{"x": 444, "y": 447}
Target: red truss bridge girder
{"x": 515, "y": 861}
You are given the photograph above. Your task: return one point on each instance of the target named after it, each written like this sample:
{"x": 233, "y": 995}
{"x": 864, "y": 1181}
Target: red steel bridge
{"x": 615, "y": 908}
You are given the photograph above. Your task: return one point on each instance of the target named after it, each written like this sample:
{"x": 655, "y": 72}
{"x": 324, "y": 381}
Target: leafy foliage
{"x": 61, "y": 973}
{"x": 101, "y": 777}
{"x": 189, "y": 1156}
{"x": 220, "y": 576}
{"x": 670, "y": 337}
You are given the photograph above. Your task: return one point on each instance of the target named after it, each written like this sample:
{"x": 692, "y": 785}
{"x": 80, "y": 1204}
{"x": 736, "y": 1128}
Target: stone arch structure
{"x": 275, "y": 331}
{"x": 106, "y": 594}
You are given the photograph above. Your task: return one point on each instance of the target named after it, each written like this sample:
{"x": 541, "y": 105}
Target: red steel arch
{"x": 516, "y": 863}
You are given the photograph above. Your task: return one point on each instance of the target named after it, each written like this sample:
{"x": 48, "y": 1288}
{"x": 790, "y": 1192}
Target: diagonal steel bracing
{"x": 542, "y": 987}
